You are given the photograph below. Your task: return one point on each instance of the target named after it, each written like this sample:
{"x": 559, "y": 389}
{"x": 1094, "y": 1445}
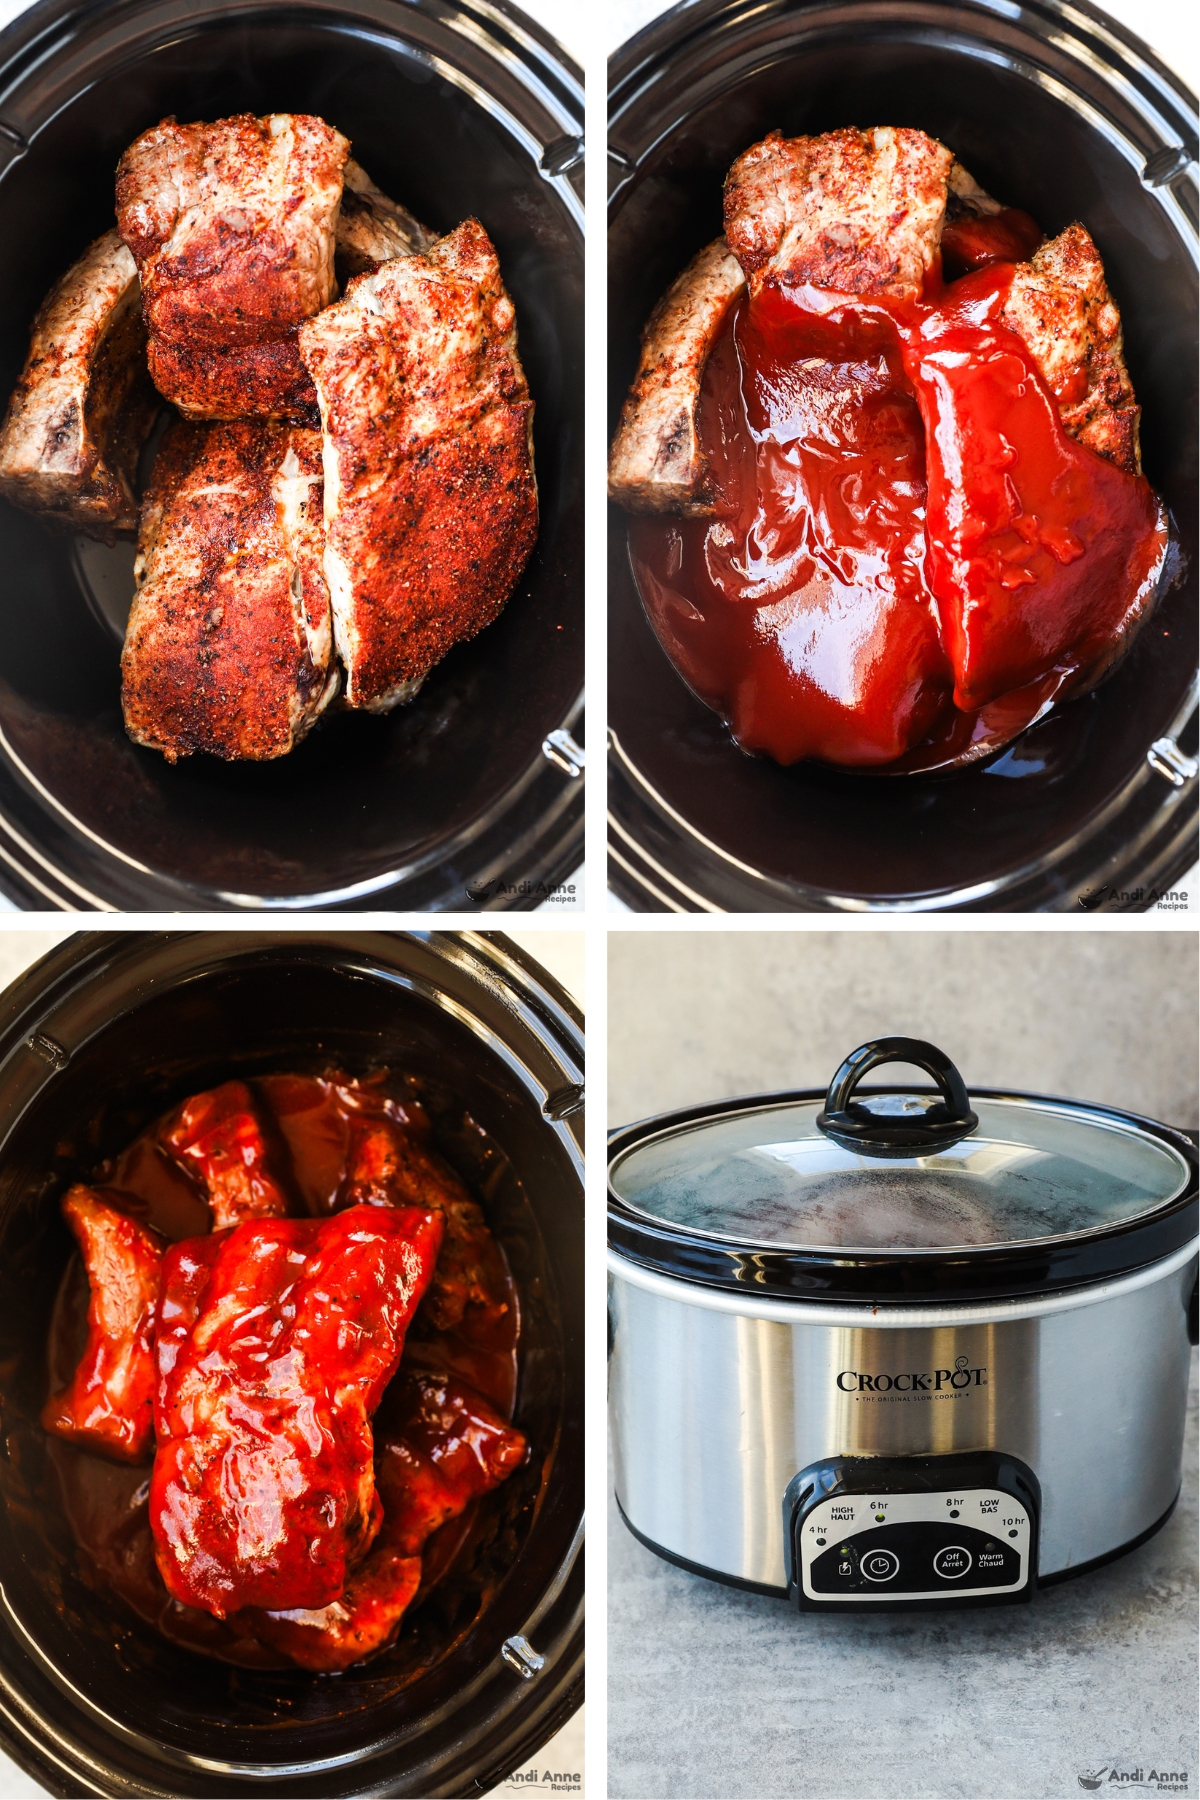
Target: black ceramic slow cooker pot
{"x": 101, "y": 1036}
{"x": 470, "y": 796}
{"x": 1057, "y": 110}
{"x": 894, "y": 1349}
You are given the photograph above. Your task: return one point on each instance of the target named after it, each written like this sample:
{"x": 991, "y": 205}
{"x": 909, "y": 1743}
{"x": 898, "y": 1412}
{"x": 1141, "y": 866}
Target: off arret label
{"x": 919, "y": 1381}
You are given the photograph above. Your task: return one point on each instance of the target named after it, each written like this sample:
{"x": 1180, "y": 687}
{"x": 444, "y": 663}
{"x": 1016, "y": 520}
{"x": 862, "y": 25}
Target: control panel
{"x": 911, "y": 1531}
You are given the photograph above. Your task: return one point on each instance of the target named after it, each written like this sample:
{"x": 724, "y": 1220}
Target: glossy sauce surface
{"x": 910, "y": 559}
{"x": 107, "y": 1504}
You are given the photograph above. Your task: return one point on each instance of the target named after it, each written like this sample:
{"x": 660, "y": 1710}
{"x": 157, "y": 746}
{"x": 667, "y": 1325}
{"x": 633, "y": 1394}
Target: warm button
{"x": 880, "y": 1565}
{"x": 952, "y": 1562}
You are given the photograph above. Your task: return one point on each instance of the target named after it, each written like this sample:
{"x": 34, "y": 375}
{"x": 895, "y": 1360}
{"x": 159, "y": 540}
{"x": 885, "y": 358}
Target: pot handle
{"x": 875, "y": 1125}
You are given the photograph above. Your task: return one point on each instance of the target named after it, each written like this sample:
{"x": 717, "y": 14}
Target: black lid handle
{"x": 885, "y": 1125}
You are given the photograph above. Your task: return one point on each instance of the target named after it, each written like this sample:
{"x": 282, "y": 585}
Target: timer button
{"x": 880, "y": 1565}
{"x": 952, "y": 1562}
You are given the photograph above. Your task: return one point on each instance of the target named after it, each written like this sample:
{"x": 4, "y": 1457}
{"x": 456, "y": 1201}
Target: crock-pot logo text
{"x": 927, "y": 1381}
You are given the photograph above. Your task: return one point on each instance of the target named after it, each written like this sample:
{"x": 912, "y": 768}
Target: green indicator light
{"x": 879, "y": 1518}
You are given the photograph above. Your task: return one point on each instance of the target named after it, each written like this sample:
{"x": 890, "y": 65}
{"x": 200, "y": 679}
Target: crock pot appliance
{"x": 95, "y": 1041}
{"x": 893, "y": 1348}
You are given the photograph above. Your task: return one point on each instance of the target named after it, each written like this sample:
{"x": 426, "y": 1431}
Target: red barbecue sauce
{"x": 106, "y": 1503}
{"x": 908, "y": 549}
{"x": 972, "y": 243}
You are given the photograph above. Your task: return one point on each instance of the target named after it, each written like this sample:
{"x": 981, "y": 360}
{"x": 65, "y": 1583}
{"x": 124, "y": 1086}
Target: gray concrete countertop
{"x": 721, "y": 1694}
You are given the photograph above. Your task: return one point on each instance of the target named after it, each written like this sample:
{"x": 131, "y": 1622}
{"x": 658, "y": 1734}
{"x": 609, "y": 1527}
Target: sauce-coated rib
{"x": 276, "y": 1340}
{"x": 219, "y": 1139}
{"x": 107, "y": 1406}
{"x": 449, "y": 1448}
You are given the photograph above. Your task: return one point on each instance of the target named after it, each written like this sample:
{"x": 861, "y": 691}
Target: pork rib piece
{"x": 275, "y": 1342}
{"x": 228, "y": 647}
{"x": 447, "y": 1445}
{"x": 232, "y": 225}
{"x": 430, "y": 499}
{"x": 1060, "y": 305}
{"x": 447, "y": 1448}
{"x": 107, "y": 1406}
{"x": 361, "y": 1147}
{"x": 656, "y": 464}
{"x": 856, "y": 212}
{"x": 389, "y": 1164}
{"x": 219, "y": 1138}
{"x": 81, "y": 410}
{"x": 371, "y": 228}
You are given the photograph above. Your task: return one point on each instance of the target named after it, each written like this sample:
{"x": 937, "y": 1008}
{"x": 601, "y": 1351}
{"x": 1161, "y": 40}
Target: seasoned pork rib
{"x": 1060, "y": 305}
{"x": 228, "y": 647}
{"x": 371, "y": 228}
{"x": 856, "y": 212}
{"x": 430, "y": 500}
{"x": 80, "y": 412}
{"x": 275, "y": 1342}
{"x": 448, "y": 1448}
{"x": 656, "y": 464}
{"x": 232, "y": 226}
{"x": 107, "y": 1406}
{"x": 219, "y": 1139}
{"x": 369, "y": 1150}
{"x": 965, "y": 199}
{"x": 388, "y": 1164}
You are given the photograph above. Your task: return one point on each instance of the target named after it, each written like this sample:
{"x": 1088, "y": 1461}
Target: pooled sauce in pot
{"x": 466, "y": 1330}
{"x": 910, "y": 559}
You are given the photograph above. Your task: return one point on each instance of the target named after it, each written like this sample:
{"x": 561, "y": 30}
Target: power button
{"x": 880, "y": 1565}
{"x": 952, "y": 1562}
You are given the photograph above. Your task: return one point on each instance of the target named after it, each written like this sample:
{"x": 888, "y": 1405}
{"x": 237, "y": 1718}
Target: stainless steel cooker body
{"x": 912, "y": 1348}
{"x": 718, "y": 1400}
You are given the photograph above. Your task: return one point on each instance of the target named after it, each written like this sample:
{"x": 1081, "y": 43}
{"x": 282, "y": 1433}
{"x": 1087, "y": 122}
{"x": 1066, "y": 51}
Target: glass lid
{"x": 899, "y": 1171}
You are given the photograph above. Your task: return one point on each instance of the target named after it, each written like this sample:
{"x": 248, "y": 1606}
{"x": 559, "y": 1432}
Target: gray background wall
{"x": 1099, "y": 1015}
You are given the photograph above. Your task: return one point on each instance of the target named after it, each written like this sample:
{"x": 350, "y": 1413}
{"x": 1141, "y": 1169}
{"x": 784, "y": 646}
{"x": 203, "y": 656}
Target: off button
{"x": 880, "y": 1565}
{"x": 952, "y": 1562}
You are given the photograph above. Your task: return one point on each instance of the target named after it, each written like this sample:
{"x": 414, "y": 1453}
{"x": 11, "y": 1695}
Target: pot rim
{"x": 892, "y": 1318}
{"x": 916, "y": 1276}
